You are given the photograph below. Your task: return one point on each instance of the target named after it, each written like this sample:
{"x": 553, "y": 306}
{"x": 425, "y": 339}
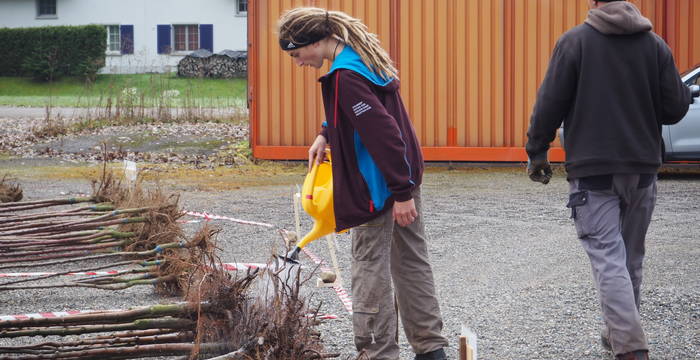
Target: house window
{"x": 242, "y": 7}
{"x": 183, "y": 38}
{"x": 114, "y": 41}
{"x": 46, "y": 8}
{"x": 186, "y": 37}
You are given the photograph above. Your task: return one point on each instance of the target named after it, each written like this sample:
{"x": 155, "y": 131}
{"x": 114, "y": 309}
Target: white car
{"x": 682, "y": 140}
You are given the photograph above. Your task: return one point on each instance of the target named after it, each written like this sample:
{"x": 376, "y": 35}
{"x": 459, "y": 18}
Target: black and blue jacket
{"x": 376, "y": 156}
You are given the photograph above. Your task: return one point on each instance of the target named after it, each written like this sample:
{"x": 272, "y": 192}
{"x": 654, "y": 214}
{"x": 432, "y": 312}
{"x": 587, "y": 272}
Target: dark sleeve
{"x": 554, "y": 99}
{"x": 675, "y": 96}
{"x": 378, "y": 130}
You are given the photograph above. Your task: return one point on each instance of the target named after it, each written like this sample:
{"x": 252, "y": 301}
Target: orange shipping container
{"x": 469, "y": 69}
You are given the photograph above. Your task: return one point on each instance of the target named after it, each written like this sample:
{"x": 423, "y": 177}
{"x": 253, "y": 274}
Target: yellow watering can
{"x": 317, "y": 201}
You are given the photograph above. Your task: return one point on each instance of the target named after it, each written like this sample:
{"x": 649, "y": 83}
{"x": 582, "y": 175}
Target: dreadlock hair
{"x": 303, "y": 23}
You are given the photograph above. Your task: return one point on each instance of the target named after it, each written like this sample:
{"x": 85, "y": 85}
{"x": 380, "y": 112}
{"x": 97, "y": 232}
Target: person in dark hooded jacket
{"x": 613, "y": 83}
{"x": 377, "y": 171}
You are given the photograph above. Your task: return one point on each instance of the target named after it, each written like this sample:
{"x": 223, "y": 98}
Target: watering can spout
{"x": 321, "y": 228}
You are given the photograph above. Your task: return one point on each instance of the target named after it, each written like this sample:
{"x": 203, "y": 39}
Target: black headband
{"x": 301, "y": 41}
{"x": 307, "y": 39}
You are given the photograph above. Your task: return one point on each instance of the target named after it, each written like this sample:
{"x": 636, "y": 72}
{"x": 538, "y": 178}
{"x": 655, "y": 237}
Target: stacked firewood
{"x": 191, "y": 67}
{"x": 226, "y": 64}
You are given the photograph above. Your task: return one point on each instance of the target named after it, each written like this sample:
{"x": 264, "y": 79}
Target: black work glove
{"x": 538, "y": 169}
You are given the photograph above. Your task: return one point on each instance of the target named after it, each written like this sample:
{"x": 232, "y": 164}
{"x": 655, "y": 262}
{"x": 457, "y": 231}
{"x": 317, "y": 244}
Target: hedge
{"x": 50, "y": 52}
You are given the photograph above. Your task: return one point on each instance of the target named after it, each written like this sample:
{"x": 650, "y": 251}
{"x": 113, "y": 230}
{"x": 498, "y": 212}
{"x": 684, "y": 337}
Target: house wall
{"x": 229, "y": 28}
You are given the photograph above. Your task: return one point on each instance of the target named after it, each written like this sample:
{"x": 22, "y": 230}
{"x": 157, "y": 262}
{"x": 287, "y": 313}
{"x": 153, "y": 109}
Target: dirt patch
{"x": 263, "y": 173}
{"x": 203, "y": 144}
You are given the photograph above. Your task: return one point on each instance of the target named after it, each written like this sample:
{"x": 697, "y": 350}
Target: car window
{"x": 695, "y": 80}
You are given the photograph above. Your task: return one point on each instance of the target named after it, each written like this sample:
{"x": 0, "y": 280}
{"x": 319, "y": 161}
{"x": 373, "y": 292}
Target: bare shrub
{"x": 160, "y": 226}
{"x": 50, "y": 127}
{"x": 9, "y": 191}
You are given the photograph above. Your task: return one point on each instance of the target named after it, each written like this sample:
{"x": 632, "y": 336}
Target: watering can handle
{"x": 314, "y": 171}
{"x": 314, "y": 167}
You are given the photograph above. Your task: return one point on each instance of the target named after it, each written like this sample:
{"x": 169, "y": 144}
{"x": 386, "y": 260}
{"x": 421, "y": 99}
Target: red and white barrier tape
{"x": 323, "y": 316}
{"x": 243, "y": 266}
{"x": 59, "y": 314}
{"x": 226, "y": 266}
{"x": 343, "y": 295}
{"x": 188, "y": 221}
{"x": 208, "y": 217}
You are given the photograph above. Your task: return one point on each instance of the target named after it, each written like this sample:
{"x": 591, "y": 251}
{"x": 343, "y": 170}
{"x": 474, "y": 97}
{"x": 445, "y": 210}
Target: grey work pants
{"x": 383, "y": 251}
{"x": 612, "y": 215}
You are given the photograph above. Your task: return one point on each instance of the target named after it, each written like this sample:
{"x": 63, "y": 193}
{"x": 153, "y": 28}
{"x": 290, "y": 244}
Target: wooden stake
{"x": 466, "y": 352}
{"x": 331, "y": 248}
{"x": 296, "y": 201}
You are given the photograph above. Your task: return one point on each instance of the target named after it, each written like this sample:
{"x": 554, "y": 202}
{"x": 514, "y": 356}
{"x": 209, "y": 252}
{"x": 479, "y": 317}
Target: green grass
{"x": 73, "y": 92}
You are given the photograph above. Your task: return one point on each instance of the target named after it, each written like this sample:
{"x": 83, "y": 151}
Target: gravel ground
{"x": 505, "y": 259}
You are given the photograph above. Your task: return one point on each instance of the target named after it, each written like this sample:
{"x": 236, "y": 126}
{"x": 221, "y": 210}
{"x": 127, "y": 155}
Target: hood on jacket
{"x": 351, "y": 60}
{"x": 618, "y": 18}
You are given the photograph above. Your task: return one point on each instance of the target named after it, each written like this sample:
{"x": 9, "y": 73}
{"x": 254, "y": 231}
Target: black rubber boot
{"x": 438, "y": 354}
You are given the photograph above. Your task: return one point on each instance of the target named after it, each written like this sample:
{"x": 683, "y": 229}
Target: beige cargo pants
{"x": 382, "y": 252}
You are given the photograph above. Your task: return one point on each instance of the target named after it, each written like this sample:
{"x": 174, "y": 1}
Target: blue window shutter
{"x": 127, "y": 38}
{"x": 164, "y": 46}
{"x": 206, "y": 37}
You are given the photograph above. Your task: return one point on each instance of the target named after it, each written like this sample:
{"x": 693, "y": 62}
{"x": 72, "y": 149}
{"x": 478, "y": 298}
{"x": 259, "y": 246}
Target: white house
{"x": 142, "y": 35}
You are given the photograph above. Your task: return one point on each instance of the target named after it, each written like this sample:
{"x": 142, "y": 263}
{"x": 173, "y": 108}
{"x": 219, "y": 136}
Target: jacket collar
{"x": 349, "y": 59}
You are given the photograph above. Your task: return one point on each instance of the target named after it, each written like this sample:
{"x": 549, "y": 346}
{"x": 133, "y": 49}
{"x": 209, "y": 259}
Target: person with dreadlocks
{"x": 377, "y": 171}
